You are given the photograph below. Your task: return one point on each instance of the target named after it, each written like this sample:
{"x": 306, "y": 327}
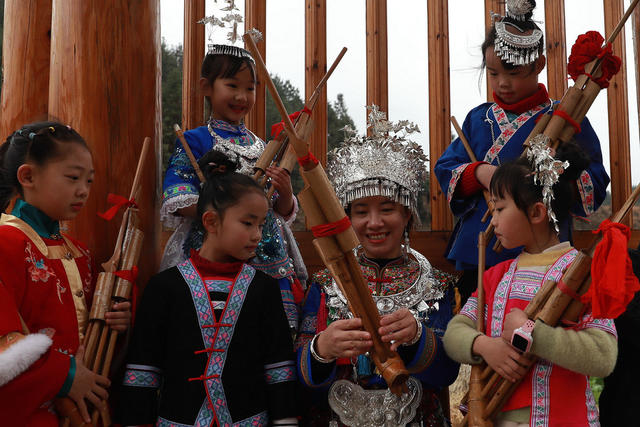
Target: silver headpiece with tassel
{"x": 233, "y": 18}
{"x": 546, "y": 171}
{"x": 512, "y": 45}
{"x": 386, "y": 163}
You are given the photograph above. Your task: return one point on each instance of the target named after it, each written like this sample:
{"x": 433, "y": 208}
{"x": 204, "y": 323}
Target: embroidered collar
{"x": 214, "y": 124}
{"x": 541, "y": 96}
{"x": 38, "y": 220}
{"x": 210, "y": 268}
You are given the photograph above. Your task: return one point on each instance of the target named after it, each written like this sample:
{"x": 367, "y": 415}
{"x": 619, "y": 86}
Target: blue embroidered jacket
{"x": 496, "y": 136}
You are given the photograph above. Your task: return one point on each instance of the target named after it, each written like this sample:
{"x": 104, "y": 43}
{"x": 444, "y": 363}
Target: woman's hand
{"x": 343, "y": 338}
{"x": 87, "y": 385}
{"x": 281, "y": 181}
{"x": 501, "y": 357}
{"x": 512, "y": 321}
{"x": 399, "y": 327}
{"x": 484, "y": 173}
{"x": 120, "y": 318}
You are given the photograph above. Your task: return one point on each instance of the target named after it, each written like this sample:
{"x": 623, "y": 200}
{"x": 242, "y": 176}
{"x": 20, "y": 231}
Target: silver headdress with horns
{"x": 386, "y": 163}
{"x": 546, "y": 171}
{"x": 512, "y": 45}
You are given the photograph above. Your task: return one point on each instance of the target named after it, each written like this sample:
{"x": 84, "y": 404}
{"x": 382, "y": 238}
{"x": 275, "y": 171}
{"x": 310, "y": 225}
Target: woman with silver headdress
{"x": 378, "y": 179}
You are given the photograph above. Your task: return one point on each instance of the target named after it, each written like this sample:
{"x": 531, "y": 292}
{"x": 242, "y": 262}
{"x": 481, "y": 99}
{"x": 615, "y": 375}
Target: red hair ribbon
{"x": 118, "y": 202}
{"x": 332, "y": 228}
{"x": 279, "y": 127}
{"x": 568, "y": 119}
{"x": 613, "y": 283}
{"x": 587, "y": 48}
{"x": 309, "y": 158}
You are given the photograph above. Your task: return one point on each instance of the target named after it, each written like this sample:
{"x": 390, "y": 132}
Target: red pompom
{"x": 587, "y": 48}
{"x": 613, "y": 283}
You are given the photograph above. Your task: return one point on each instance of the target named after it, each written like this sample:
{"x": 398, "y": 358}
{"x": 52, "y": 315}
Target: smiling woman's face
{"x": 379, "y": 223}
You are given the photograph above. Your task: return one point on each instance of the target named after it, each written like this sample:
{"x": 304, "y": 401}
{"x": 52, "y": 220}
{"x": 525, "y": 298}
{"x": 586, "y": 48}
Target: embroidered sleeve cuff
{"x": 312, "y": 373}
{"x": 68, "y": 382}
{"x": 468, "y": 184}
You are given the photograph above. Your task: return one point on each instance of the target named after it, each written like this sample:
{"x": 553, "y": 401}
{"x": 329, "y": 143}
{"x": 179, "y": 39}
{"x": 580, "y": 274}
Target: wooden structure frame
{"x": 116, "y": 138}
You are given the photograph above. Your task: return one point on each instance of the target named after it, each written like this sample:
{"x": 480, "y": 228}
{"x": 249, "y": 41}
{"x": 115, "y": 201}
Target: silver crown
{"x": 232, "y": 18}
{"x": 225, "y": 49}
{"x": 518, "y": 9}
{"x": 385, "y": 163}
{"x": 512, "y": 45}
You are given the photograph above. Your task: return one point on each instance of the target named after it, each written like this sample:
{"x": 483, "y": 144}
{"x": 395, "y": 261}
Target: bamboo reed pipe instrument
{"x": 336, "y": 250}
{"x": 279, "y": 152}
{"x": 111, "y": 287}
{"x": 551, "y": 305}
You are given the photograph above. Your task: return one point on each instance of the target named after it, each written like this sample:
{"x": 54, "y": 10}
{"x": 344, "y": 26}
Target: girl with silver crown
{"x": 513, "y": 55}
{"x": 228, "y": 81}
{"x": 378, "y": 179}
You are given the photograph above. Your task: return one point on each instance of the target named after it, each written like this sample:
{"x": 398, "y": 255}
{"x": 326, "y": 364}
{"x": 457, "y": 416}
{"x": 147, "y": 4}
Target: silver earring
{"x": 405, "y": 250}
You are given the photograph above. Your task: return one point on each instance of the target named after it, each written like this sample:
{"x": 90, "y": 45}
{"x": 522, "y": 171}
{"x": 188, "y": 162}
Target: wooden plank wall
{"x": 256, "y": 17}
{"x": 433, "y": 243}
{"x": 617, "y": 100}
{"x": 192, "y": 101}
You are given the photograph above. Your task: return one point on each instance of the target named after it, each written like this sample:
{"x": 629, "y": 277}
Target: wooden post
{"x": 193, "y": 54}
{"x": 377, "y": 84}
{"x": 315, "y": 68}
{"x": 26, "y": 44}
{"x": 105, "y": 82}
{"x": 636, "y": 55}
{"x": 496, "y": 6}
{"x": 439, "y": 107}
{"x": 556, "y": 48}
{"x": 617, "y": 101}
{"x": 256, "y": 17}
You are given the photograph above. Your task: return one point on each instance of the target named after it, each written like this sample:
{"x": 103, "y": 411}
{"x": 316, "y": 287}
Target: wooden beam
{"x": 617, "y": 101}
{"x": 439, "y": 107}
{"x": 26, "y": 47}
{"x": 377, "y": 72}
{"x": 315, "y": 67}
{"x": 105, "y": 82}
{"x": 496, "y": 6}
{"x": 256, "y": 17}
{"x": 193, "y": 53}
{"x": 556, "y": 48}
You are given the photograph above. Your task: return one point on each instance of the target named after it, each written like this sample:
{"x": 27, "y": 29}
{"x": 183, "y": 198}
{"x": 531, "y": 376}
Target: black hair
{"x": 526, "y": 25}
{"x": 37, "y": 143}
{"x": 515, "y": 178}
{"x": 221, "y": 66}
{"x": 224, "y": 186}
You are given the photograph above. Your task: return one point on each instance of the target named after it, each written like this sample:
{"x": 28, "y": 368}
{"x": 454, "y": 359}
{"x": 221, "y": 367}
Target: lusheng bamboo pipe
{"x": 100, "y": 340}
{"x": 347, "y": 273}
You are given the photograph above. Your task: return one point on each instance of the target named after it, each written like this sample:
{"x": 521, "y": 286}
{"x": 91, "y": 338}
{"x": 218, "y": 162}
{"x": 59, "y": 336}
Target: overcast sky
{"x": 407, "y": 56}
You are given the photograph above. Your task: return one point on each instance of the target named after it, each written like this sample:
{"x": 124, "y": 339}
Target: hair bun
{"x": 577, "y": 158}
{"x": 215, "y": 163}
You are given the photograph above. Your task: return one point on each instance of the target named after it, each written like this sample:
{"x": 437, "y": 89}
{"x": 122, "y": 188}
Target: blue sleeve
{"x": 430, "y": 363}
{"x": 455, "y": 159}
{"x": 312, "y": 373}
{"x": 592, "y": 184}
{"x": 181, "y": 177}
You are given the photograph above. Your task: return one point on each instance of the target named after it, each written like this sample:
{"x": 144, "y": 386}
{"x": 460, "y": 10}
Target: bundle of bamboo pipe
{"x": 100, "y": 340}
{"x": 336, "y": 250}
